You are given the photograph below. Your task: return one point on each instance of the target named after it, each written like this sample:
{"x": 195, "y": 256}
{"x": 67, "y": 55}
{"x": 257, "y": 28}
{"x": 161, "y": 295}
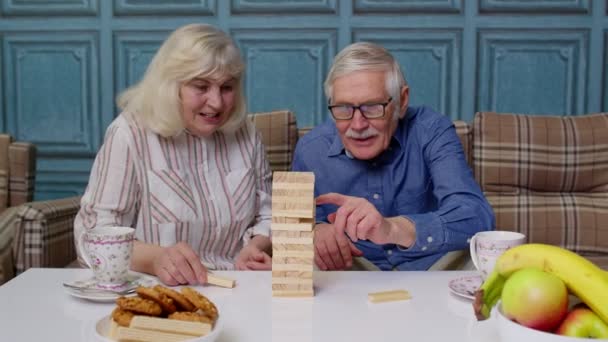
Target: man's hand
{"x": 252, "y": 258}
{"x": 333, "y": 250}
{"x": 179, "y": 264}
{"x": 358, "y": 218}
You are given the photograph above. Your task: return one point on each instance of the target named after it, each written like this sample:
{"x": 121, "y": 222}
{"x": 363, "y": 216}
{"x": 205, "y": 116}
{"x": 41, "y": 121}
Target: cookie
{"x": 122, "y": 317}
{"x": 190, "y": 317}
{"x": 139, "y": 305}
{"x": 164, "y": 301}
{"x": 201, "y": 302}
{"x": 179, "y": 300}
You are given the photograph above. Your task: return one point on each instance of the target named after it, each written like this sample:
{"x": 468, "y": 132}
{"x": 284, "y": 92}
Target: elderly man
{"x": 392, "y": 181}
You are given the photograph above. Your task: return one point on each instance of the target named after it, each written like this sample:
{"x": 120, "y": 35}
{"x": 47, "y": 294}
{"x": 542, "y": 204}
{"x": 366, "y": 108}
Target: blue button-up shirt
{"x": 422, "y": 175}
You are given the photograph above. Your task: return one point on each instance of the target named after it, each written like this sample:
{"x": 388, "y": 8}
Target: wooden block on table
{"x": 292, "y": 237}
{"x": 220, "y": 281}
{"x": 140, "y": 335}
{"x": 170, "y": 325}
{"x": 388, "y": 296}
{"x": 293, "y": 290}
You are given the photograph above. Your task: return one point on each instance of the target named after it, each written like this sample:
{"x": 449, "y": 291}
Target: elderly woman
{"x": 183, "y": 166}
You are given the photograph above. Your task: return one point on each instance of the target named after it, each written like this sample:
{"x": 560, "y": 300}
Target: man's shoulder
{"x": 426, "y": 117}
{"x": 321, "y": 135}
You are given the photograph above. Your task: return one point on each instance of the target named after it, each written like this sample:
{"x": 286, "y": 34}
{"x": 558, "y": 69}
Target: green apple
{"x": 583, "y": 322}
{"x": 535, "y": 299}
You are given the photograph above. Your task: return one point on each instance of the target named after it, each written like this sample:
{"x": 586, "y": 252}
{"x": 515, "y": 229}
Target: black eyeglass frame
{"x": 353, "y": 108}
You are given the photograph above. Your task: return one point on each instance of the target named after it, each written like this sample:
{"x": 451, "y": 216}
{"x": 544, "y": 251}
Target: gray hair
{"x": 369, "y": 57}
{"x": 195, "y": 50}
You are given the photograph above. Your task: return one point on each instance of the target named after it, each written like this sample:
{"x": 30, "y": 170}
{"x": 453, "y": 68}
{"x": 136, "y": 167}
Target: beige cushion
{"x": 279, "y": 135}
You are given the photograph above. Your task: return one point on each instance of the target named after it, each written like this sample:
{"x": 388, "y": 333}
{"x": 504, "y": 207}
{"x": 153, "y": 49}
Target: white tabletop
{"x": 35, "y": 307}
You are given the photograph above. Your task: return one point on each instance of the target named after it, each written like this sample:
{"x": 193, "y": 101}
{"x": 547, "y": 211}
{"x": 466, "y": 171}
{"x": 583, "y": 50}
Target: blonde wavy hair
{"x": 191, "y": 51}
{"x": 368, "y": 56}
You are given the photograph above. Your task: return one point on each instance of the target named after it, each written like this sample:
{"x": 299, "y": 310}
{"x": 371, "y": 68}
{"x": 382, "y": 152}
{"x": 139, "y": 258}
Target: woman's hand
{"x": 179, "y": 264}
{"x": 253, "y": 256}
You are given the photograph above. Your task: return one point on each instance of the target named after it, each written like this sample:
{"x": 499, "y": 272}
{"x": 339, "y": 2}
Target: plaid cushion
{"x": 22, "y": 160}
{"x": 547, "y": 177}
{"x": 44, "y": 234}
{"x": 521, "y": 153}
{"x": 279, "y": 135}
{"x": 465, "y": 133}
{"x": 7, "y": 236}
{"x": 5, "y": 141}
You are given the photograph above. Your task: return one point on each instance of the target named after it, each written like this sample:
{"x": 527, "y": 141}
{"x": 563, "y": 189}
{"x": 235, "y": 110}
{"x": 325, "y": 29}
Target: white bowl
{"x": 102, "y": 330}
{"x": 510, "y": 331}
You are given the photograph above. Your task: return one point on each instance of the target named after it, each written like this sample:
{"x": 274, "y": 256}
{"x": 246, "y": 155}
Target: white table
{"x": 35, "y": 307}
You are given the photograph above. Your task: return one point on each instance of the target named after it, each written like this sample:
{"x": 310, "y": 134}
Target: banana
{"x": 582, "y": 278}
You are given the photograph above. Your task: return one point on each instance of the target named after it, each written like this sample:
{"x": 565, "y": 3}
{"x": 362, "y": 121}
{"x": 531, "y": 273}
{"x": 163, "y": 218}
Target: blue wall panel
{"x": 530, "y": 6}
{"x": 163, "y": 7}
{"x": 53, "y": 76}
{"x": 537, "y": 71}
{"x": 286, "y": 69}
{"x": 63, "y": 62}
{"x": 416, "y": 6}
{"x": 49, "y": 7}
{"x": 282, "y": 6}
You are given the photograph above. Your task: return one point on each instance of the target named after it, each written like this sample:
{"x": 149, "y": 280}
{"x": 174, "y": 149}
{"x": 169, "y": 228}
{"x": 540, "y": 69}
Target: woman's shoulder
{"x": 127, "y": 124}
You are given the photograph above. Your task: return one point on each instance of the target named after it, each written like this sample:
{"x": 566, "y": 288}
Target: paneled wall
{"x": 63, "y": 62}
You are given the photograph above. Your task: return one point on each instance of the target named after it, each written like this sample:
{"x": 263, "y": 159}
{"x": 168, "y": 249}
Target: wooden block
{"x": 292, "y": 177}
{"x": 388, "y": 296}
{"x": 293, "y": 293}
{"x": 292, "y": 261}
{"x": 292, "y": 253}
{"x": 301, "y": 227}
{"x": 213, "y": 279}
{"x": 140, "y": 335}
{"x": 292, "y": 274}
{"x": 291, "y": 281}
{"x": 292, "y": 267}
{"x": 293, "y": 240}
{"x": 170, "y": 325}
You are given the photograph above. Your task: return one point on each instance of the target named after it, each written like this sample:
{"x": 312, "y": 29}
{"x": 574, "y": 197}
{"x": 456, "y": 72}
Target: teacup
{"x": 107, "y": 252}
{"x": 487, "y": 246}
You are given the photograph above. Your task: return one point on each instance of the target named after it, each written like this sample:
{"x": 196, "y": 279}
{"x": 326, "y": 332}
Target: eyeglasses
{"x": 368, "y": 110}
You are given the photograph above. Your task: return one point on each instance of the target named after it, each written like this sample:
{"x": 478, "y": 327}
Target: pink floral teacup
{"x": 487, "y": 246}
{"x": 107, "y": 251}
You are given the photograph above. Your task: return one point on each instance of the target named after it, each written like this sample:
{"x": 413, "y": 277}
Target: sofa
{"x": 545, "y": 176}
{"x": 17, "y": 177}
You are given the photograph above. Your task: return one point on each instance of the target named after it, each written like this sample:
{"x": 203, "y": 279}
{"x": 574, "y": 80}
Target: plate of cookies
{"x": 161, "y": 313}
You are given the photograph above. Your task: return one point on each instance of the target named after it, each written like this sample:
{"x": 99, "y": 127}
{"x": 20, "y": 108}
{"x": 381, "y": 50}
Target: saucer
{"x": 465, "y": 286}
{"x": 89, "y": 288}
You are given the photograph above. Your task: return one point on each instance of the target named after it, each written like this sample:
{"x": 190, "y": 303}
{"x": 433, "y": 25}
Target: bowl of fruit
{"x": 575, "y": 324}
{"x": 545, "y": 293}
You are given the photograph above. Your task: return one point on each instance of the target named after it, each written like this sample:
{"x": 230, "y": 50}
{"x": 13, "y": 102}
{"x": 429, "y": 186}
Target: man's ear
{"x": 404, "y": 100}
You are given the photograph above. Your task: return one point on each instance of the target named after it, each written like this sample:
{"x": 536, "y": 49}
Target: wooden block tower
{"x": 293, "y": 219}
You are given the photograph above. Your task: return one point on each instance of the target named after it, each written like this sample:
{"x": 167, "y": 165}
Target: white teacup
{"x": 487, "y": 246}
{"x": 107, "y": 251}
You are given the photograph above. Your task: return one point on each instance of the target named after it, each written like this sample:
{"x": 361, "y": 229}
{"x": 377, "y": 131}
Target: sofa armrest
{"x": 44, "y": 233}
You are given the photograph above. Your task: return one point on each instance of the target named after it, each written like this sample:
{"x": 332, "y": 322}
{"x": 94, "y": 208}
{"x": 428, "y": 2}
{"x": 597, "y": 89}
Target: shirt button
{"x": 376, "y": 196}
{"x": 424, "y": 248}
{"x": 429, "y": 239}
{"x": 389, "y": 252}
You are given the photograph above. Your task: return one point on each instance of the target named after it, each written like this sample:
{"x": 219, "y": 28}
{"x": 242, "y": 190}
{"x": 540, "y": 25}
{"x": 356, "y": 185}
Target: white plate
{"x": 89, "y": 285}
{"x": 465, "y": 286}
{"x": 102, "y": 330}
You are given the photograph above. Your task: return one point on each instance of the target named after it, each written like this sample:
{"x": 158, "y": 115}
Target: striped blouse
{"x": 211, "y": 192}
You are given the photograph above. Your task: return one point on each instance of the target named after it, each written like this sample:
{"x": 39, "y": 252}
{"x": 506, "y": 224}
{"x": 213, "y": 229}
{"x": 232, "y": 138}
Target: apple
{"x": 535, "y": 299}
{"x": 583, "y": 322}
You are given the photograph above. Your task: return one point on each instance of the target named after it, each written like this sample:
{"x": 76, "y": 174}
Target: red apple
{"x": 583, "y": 322}
{"x": 535, "y": 299}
